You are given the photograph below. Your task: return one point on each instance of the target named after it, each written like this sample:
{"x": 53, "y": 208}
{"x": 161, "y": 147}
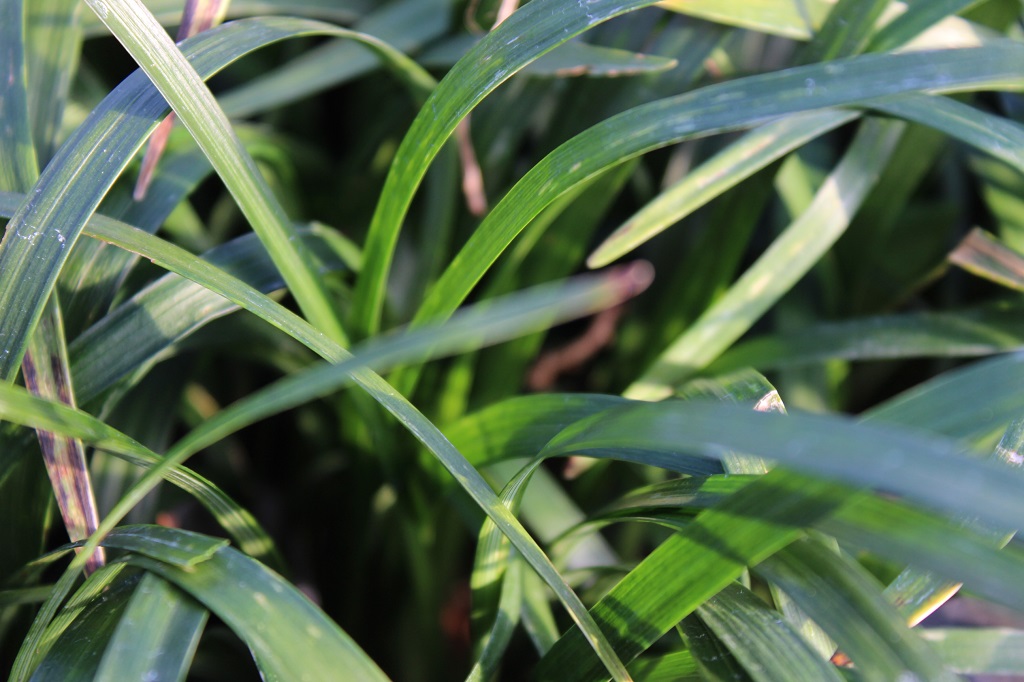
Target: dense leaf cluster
{"x": 300, "y": 364}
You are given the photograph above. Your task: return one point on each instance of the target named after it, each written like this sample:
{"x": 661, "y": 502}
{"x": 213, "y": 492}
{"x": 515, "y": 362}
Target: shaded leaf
{"x": 157, "y": 635}
{"x": 289, "y": 636}
{"x": 765, "y": 645}
{"x": 847, "y": 603}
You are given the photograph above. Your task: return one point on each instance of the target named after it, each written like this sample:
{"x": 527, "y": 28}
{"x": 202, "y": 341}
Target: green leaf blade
{"x": 525, "y": 36}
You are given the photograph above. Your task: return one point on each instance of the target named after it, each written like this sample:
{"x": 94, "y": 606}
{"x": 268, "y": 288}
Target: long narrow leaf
{"x": 406, "y": 25}
{"x": 767, "y": 647}
{"x": 918, "y": 17}
{"x": 986, "y": 256}
{"x": 54, "y": 39}
{"x": 47, "y": 374}
{"x": 198, "y": 17}
{"x": 86, "y": 617}
{"x": 526, "y": 35}
{"x": 847, "y": 603}
{"x": 970, "y": 403}
{"x": 801, "y": 20}
{"x": 1000, "y": 137}
{"x": 845, "y": 32}
{"x": 917, "y": 593}
{"x": 169, "y": 12}
{"x": 706, "y": 111}
{"x": 913, "y": 464}
{"x": 789, "y": 257}
{"x": 995, "y": 135}
{"x": 979, "y": 651}
{"x": 17, "y": 406}
{"x": 885, "y": 527}
{"x": 967, "y": 333}
{"x": 289, "y": 636}
{"x": 502, "y": 321}
{"x": 691, "y": 566}
{"x": 728, "y": 168}
{"x": 171, "y": 308}
{"x": 151, "y": 47}
{"x": 779, "y": 17}
{"x": 156, "y": 637}
{"x": 20, "y": 169}
{"x": 50, "y": 221}
{"x": 46, "y": 360}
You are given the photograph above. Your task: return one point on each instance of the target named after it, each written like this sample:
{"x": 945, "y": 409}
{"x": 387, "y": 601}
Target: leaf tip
{"x": 632, "y": 279}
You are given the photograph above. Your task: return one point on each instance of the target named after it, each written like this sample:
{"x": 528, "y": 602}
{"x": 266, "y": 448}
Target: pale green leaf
{"x": 789, "y": 257}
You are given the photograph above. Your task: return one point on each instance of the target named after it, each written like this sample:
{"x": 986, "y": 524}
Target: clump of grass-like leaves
{"x": 299, "y": 364}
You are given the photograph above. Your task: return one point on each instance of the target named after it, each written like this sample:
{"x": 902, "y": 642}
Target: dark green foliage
{"x": 419, "y": 492}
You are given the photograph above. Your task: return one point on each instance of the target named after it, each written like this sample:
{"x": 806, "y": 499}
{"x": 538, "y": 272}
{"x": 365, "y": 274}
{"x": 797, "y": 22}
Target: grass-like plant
{"x": 204, "y": 369}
